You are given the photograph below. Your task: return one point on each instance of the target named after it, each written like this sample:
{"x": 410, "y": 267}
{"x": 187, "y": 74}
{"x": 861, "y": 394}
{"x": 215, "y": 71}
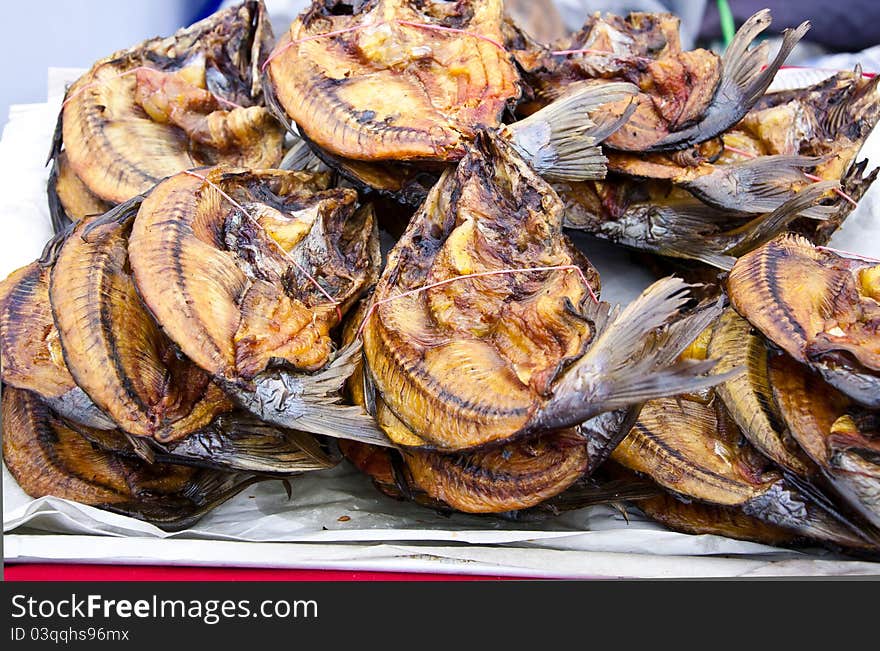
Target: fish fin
{"x": 744, "y": 80}
{"x": 310, "y": 403}
{"x": 793, "y": 502}
{"x": 630, "y": 361}
{"x": 684, "y": 223}
{"x": 755, "y": 186}
{"x": 240, "y": 441}
{"x": 765, "y": 227}
{"x": 204, "y": 492}
{"x": 141, "y": 447}
{"x": 60, "y": 218}
{"x": 561, "y": 140}
{"x": 687, "y": 225}
{"x": 748, "y": 72}
{"x": 117, "y": 215}
{"x": 301, "y": 157}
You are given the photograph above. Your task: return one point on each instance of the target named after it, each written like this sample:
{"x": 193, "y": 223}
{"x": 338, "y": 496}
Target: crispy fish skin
{"x": 31, "y": 355}
{"x": 221, "y": 295}
{"x": 465, "y": 360}
{"x": 262, "y": 266}
{"x": 817, "y": 306}
{"x": 389, "y": 87}
{"x": 749, "y": 398}
{"x": 448, "y": 331}
{"x": 132, "y": 119}
{"x": 30, "y": 346}
{"x": 694, "y": 450}
{"x": 47, "y": 457}
{"x": 821, "y": 421}
{"x": 700, "y": 519}
{"x": 686, "y": 448}
{"x": 505, "y": 478}
{"x": 501, "y": 479}
{"x": 115, "y": 350}
{"x": 69, "y": 198}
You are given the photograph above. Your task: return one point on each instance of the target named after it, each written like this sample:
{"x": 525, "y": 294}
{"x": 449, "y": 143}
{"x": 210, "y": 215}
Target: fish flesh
{"x": 171, "y": 104}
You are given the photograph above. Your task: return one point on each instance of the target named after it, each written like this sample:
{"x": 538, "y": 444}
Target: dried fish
{"x": 394, "y": 80}
{"x": 819, "y": 307}
{"x": 248, "y": 272}
{"x": 170, "y": 104}
{"x": 476, "y": 337}
{"x": 47, "y": 457}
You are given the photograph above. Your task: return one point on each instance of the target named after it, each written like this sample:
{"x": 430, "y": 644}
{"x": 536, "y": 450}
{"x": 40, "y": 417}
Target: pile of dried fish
{"x": 203, "y": 320}
{"x": 144, "y": 333}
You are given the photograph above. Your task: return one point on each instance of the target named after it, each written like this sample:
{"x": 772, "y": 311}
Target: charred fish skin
{"x": 47, "y": 457}
{"x": 121, "y": 132}
{"x": 113, "y": 348}
{"x": 816, "y": 305}
{"x": 396, "y": 79}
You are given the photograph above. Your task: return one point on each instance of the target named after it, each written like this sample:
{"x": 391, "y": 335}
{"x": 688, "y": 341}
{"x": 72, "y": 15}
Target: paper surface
{"x": 336, "y": 519}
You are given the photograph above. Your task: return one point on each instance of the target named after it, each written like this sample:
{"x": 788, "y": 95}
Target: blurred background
{"x": 36, "y": 34}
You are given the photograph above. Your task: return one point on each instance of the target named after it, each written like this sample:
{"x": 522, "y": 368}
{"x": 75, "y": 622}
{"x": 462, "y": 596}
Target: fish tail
{"x": 561, "y": 140}
{"x": 633, "y": 360}
{"x": 311, "y": 403}
{"x": 765, "y": 227}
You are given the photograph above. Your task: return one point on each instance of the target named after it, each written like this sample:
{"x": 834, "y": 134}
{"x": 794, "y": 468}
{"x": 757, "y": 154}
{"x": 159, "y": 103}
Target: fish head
{"x": 393, "y": 79}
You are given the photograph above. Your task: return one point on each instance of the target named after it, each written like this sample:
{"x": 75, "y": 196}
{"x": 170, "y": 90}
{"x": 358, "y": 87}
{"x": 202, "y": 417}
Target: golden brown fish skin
{"x": 385, "y": 90}
{"x": 74, "y": 197}
{"x": 414, "y": 343}
{"x": 42, "y": 455}
{"x": 47, "y": 457}
{"x": 748, "y": 397}
{"x": 31, "y": 354}
{"x": 115, "y": 350}
{"x": 695, "y": 450}
{"x": 229, "y": 294}
{"x": 119, "y": 151}
{"x": 676, "y": 86}
{"x": 811, "y": 303}
{"x": 833, "y": 431}
{"x": 30, "y": 348}
{"x": 505, "y": 478}
{"x": 807, "y": 405}
{"x": 700, "y": 519}
{"x": 689, "y": 448}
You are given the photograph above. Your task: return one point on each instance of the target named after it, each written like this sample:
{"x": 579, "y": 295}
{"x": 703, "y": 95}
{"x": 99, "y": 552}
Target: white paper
{"x": 337, "y": 519}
